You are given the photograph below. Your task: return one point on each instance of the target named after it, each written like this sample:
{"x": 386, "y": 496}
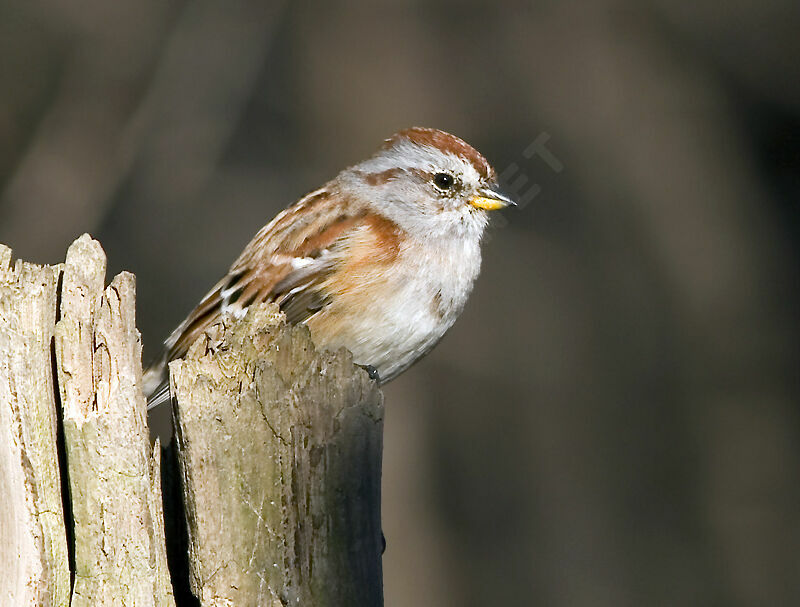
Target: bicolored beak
{"x": 491, "y": 199}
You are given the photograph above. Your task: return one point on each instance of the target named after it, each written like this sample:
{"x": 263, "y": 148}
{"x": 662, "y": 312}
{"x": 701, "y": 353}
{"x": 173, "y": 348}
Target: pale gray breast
{"x": 429, "y": 299}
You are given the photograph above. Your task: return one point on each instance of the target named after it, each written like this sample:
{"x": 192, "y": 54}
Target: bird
{"x": 380, "y": 260}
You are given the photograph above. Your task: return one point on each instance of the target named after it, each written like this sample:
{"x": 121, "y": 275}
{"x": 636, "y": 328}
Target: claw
{"x": 372, "y": 372}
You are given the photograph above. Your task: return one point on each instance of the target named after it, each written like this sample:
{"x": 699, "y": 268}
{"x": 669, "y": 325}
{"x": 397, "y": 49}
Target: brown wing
{"x": 287, "y": 262}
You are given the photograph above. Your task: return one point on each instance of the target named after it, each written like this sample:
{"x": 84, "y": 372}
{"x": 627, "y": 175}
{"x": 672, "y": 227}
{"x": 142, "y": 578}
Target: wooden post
{"x": 34, "y": 568}
{"x": 120, "y": 555}
{"x": 280, "y": 450}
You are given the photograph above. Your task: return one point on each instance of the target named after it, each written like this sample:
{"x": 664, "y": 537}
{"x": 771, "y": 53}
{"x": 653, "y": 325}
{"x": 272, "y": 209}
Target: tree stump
{"x": 280, "y": 450}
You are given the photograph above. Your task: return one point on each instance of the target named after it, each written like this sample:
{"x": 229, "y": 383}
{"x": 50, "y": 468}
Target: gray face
{"x": 424, "y": 190}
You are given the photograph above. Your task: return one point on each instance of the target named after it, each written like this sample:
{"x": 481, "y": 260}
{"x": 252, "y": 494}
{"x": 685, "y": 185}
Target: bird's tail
{"x": 155, "y": 384}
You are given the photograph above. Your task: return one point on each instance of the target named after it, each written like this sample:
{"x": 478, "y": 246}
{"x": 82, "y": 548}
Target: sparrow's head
{"x": 429, "y": 182}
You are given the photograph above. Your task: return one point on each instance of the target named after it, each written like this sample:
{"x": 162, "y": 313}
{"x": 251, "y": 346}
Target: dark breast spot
{"x": 437, "y": 306}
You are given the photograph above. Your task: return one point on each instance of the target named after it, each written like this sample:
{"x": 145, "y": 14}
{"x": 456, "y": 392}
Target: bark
{"x": 280, "y": 450}
{"x": 33, "y": 561}
{"x": 120, "y": 556}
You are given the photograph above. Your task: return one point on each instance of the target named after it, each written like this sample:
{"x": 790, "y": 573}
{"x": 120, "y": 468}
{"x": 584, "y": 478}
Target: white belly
{"x": 410, "y": 309}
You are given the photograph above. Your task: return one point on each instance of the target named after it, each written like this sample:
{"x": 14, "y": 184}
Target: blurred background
{"x": 614, "y": 420}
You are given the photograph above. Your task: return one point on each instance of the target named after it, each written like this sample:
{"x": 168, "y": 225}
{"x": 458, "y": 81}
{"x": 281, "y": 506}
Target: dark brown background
{"x": 614, "y": 419}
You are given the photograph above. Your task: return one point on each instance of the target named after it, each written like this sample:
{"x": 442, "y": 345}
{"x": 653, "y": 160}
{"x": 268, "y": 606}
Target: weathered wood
{"x": 280, "y": 451}
{"x": 120, "y": 557}
{"x": 279, "y": 445}
{"x": 34, "y": 568}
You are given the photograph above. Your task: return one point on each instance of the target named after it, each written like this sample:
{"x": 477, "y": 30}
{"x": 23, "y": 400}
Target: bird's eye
{"x": 444, "y": 181}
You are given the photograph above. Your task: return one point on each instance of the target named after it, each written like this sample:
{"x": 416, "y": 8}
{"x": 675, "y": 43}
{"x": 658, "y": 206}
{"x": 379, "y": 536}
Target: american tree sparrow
{"x": 379, "y": 260}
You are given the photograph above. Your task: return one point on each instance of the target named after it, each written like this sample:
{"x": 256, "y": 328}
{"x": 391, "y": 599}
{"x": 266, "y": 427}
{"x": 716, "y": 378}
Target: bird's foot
{"x": 372, "y": 372}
